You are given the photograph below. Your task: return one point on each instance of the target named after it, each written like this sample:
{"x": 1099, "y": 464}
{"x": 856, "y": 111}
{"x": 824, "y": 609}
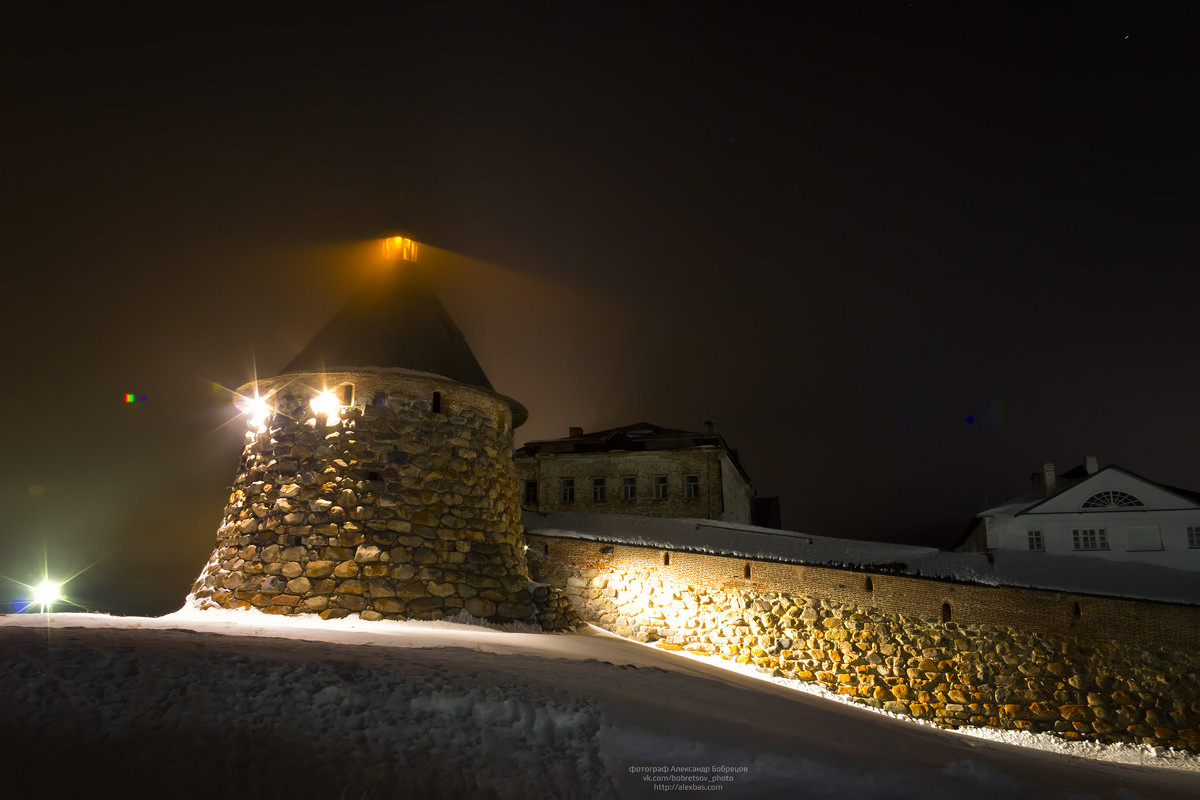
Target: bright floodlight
{"x": 257, "y": 410}
{"x": 325, "y": 403}
{"x": 46, "y": 593}
{"x": 400, "y": 247}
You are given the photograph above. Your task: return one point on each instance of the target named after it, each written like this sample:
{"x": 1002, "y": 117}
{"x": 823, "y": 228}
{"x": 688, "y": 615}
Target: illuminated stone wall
{"x": 1007, "y": 657}
{"x": 390, "y": 510}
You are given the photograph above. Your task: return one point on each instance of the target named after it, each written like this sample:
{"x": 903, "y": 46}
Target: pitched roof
{"x": 635, "y": 437}
{"x": 395, "y": 320}
{"x": 1027, "y": 502}
{"x": 638, "y": 436}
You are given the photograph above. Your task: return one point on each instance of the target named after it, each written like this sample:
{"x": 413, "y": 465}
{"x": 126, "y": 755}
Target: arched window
{"x": 1111, "y": 498}
{"x": 870, "y": 584}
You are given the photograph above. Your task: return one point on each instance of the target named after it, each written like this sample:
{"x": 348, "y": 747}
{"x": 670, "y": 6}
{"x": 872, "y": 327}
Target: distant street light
{"x": 46, "y": 594}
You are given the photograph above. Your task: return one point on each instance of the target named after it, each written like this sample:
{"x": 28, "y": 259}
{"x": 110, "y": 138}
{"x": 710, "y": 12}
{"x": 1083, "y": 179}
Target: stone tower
{"x": 378, "y": 478}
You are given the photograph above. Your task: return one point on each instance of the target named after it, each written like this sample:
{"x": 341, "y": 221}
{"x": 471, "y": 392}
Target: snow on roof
{"x": 1031, "y": 570}
{"x": 719, "y": 538}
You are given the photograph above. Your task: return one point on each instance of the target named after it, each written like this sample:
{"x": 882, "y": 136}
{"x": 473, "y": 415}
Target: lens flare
{"x": 257, "y": 412}
{"x": 46, "y": 594}
{"x": 326, "y": 404}
{"x": 255, "y": 408}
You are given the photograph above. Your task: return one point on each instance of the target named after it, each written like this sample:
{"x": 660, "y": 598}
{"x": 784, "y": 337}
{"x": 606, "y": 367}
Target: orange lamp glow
{"x": 400, "y": 247}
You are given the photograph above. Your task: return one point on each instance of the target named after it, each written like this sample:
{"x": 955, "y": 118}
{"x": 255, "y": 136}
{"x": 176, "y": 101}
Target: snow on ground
{"x": 1036, "y": 570}
{"x": 242, "y": 704}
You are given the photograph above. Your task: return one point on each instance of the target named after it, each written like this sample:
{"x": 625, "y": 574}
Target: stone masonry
{"x": 950, "y": 673}
{"x": 401, "y": 506}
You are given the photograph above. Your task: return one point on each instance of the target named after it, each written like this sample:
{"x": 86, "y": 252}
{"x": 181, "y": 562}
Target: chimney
{"x": 710, "y": 427}
{"x": 1048, "y": 480}
{"x": 574, "y": 433}
{"x": 1090, "y": 464}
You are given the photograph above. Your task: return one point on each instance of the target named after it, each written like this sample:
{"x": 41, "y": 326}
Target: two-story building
{"x": 1107, "y": 512}
{"x": 640, "y": 469}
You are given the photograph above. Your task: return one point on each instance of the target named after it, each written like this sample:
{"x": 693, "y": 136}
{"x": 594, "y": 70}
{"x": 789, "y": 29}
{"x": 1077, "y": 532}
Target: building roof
{"x": 1026, "y": 503}
{"x": 395, "y": 321}
{"x": 640, "y": 436}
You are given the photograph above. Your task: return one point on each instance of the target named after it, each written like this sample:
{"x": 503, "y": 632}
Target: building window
{"x": 1111, "y": 499}
{"x": 1036, "y": 542}
{"x": 531, "y": 493}
{"x": 691, "y": 487}
{"x": 566, "y": 491}
{"x": 1194, "y": 536}
{"x": 599, "y": 492}
{"x": 436, "y": 404}
{"x": 348, "y": 394}
{"x": 947, "y": 613}
{"x": 629, "y": 488}
{"x": 660, "y": 487}
{"x": 1089, "y": 539}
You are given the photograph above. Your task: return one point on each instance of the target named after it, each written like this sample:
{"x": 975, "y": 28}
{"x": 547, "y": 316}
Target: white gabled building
{"x": 1106, "y": 513}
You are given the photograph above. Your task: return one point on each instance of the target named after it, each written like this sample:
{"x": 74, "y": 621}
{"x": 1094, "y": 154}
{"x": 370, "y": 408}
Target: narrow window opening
{"x": 348, "y": 394}
{"x": 747, "y": 571}
{"x": 870, "y": 584}
{"x": 437, "y": 403}
{"x": 629, "y": 487}
{"x": 660, "y": 487}
{"x": 1076, "y": 611}
{"x": 545, "y": 549}
{"x": 666, "y": 559}
{"x": 380, "y": 400}
{"x": 372, "y": 476}
{"x": 945, "y": 612}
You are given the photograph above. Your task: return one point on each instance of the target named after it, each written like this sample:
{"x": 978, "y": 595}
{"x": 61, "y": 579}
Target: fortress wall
{"x": 1123, "y": 670}
{"x": 391, "y": 511}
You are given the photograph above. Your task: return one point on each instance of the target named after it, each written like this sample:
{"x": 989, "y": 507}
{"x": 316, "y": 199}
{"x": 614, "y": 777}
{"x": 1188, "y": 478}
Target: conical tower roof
{"x": 394, "y": 321}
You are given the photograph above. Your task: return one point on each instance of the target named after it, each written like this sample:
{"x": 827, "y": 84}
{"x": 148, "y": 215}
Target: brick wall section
{"x": 1103, "y": 618}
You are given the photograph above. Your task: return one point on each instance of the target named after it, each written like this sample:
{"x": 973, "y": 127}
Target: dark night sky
{"x": 836, "y": 231}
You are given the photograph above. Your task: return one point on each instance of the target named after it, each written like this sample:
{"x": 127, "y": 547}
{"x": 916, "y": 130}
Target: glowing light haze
{"x": 838, "y": 230}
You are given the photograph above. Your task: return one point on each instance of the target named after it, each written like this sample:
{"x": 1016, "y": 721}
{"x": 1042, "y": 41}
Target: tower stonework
{"x": 383, "y": 491}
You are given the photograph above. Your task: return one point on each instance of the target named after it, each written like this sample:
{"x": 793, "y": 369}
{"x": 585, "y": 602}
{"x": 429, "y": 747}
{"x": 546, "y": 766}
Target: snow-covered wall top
{"x": 1035, "y": 570}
